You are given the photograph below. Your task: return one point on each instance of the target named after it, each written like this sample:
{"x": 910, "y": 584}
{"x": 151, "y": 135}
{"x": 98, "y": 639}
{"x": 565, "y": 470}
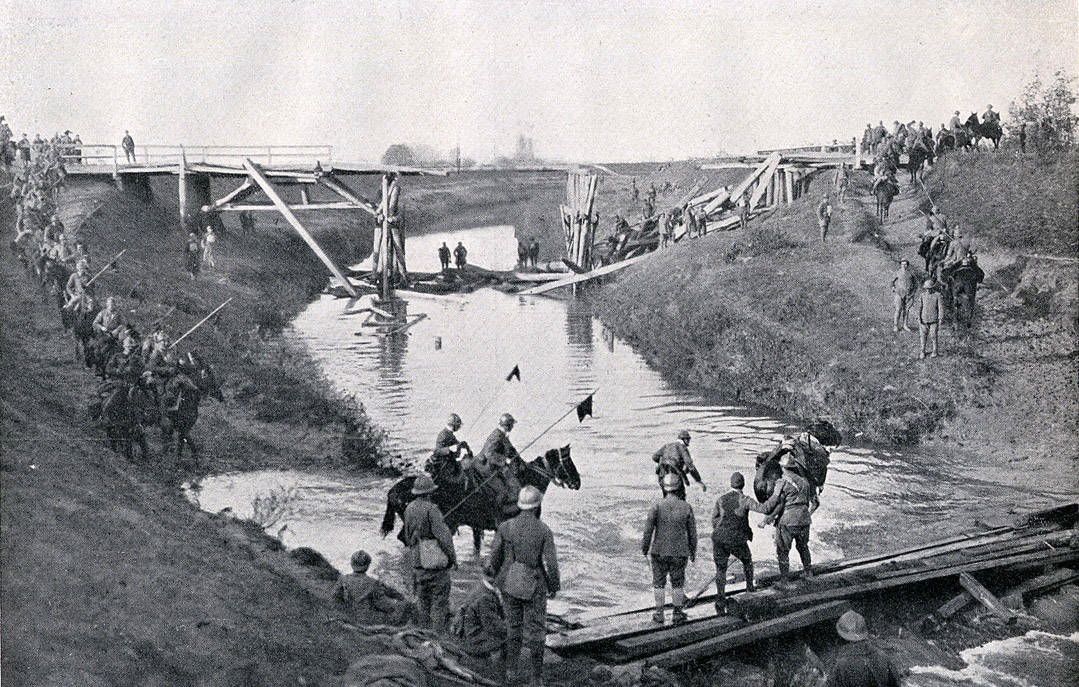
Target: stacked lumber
{"x": 1049, "y": 538}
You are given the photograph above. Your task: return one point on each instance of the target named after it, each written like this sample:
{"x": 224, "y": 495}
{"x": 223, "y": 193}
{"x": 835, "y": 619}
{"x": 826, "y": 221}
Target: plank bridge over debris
{"x": 1043, "y": 545}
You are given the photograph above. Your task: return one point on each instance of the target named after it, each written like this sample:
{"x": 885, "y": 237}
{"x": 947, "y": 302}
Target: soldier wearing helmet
{"x": 360, "y": 595}
{"x": 795, "y": 500}
{"x": 448, "y": 448}
{"x": 674, "y": 457}
{"x": 425, "y": 533}
{"x": 670, "y": 538}
{"x": 523, "y": 553}
{"x": 499, "y": 462}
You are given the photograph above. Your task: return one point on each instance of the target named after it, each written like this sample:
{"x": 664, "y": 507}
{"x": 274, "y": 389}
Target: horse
{"x": 815, "y": 468}
{"x": 122, "y": 411}
{"x": 916, "y": 157}
{"x": 962, "y": 282}
{"x": 885, "y": 190}
{"x": 181, "y": 408}
{"x": 989, "y": 129}
{"x": 964, "y": 138}
{"x": 478, "y": 508}
{"x": 82, "y": 327}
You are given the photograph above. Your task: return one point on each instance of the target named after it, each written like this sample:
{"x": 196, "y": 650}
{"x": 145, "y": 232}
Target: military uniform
{"x": 798, "y": 499}
{"x": 423, "y": 520}
{"x": 527, "y": 541}
{"x": 860, "y": 664}
{"x": 126, "y": 367}
{"x": 675, "y": 455}
{"x": 444, "y": 455}
{"x": 731, "y": 535}
{"x": 363, "y": 595}
{"x": 491, "y": 462}
{"x": 670, "y": 538}
{"x": 483, "y": 621}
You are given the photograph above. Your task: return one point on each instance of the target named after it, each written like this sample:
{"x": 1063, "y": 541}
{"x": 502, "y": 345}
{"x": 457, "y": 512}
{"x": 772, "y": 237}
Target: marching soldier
{"x": 427, "y": 536}
{"x": 524, "y": 556}
{"x": 675, "y": 456}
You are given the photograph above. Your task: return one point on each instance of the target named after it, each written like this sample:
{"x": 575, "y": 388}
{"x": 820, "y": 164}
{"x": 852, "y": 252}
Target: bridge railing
{"x": 114, "y": 156}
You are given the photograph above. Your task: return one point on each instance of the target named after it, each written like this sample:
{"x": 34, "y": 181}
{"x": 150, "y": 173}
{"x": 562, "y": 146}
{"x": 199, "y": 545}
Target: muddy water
{"x": 456, "y": 360}
{"x": 1036, "y": 659}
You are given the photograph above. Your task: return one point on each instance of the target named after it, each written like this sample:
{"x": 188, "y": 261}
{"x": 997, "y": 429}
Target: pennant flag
{"x": 584, "y": 408}
{"x": 515, "y": 372}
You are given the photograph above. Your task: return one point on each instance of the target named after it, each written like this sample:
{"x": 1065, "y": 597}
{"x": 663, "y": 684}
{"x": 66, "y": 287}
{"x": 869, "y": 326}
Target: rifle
{"x": 107, "y": 266}
{"x": 199, "y": 323}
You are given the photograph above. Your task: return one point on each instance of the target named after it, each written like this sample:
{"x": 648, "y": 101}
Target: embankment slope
{"x": 775, "y": 317}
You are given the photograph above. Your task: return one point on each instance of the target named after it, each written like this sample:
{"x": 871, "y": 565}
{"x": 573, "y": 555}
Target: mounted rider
{"x": 674, "y": 457}
{"x": 955, "y": 123}
{"x": 990, "y": 115}
{"x": 78, "y": 285}
{"x": 126, "y": 364}
{"x": 107, "y": 320}
{"x": 499, "y": 462}
{"x": 448, "y": 448}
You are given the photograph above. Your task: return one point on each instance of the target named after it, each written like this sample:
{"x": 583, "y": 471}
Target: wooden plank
{"x": 268, "y": 189}
{"x": 244, "y": 190}
{"x": 771, "y": 162}
{"x": 1034, "y": 585}
{"x": 762, "y": 184}
{"x": 756, "y": 632}
{"x": 342, "y": 189}
{"x": 983, "y": 595}
{"x": 270, "y": 207}
{"x": 670, "y": 637}
{"x": 580, "y": 278}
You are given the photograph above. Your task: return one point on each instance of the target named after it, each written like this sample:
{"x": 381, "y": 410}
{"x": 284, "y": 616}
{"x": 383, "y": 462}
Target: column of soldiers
{"x": 61, "y": 262}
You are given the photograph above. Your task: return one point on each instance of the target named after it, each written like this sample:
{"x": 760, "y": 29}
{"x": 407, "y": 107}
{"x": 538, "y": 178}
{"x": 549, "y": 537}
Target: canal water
{"x": 457, "y": 359}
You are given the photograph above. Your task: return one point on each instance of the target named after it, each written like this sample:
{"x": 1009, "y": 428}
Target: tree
{"x": 1046, "y": 110}
{"x": 399, "y": 155}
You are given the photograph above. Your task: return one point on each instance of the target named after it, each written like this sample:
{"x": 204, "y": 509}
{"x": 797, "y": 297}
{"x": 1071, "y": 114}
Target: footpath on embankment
{"x": 773, "y": 316}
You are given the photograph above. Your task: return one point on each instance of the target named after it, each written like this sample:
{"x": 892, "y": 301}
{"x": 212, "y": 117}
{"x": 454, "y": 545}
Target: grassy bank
{"x": 279, "y": 408}
{"x": 775, "y": 317}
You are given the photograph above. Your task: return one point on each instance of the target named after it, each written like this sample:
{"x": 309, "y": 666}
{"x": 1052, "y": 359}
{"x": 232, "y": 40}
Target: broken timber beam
{"x": 245, "y": 189}
{"x": 979, "y": 592}
{"x": 340, "y": 188}
{"x": 270, "y": 207}
{"x": 256, "y": 173}
{"x": 770, "y": 163}
{"x": 587, "y": 276}
{"x": 752, "y": 633}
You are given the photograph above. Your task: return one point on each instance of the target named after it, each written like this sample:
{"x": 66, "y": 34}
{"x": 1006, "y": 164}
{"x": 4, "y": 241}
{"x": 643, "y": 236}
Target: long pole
{"x": 523, "y": 448}
{"x": 200, "y": 323}
{"x": 387, "y": 245}
{"x": 107, "y": 266}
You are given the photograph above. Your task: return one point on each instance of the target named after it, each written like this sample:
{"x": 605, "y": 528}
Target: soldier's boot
{"x": 721, "y": 595}
{"x": 678, "y": 616}
{"x": 784, "y": 581}
{"x": 661, "y": 603}
{"x": 509, "y": 661}
{"x": 750, "y": 585}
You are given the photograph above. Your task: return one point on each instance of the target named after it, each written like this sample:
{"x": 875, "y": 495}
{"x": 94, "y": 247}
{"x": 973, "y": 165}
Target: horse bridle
{"x": 554, "y": 478}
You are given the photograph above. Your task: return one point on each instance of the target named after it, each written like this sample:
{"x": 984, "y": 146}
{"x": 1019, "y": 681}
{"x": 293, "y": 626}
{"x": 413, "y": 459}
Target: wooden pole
{"x": 986, "y": 597}
{"x": 199, "y": 323}
{"x": 182, "y": 173}
{"x": 271, "y": 193}
{"x": 788, "y": 179}
{"x": 387, "y": 259}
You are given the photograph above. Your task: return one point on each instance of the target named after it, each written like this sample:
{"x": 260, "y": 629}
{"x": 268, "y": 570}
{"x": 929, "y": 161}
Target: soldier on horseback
{"x": 674, "y": 458}
{"x": 443, "y": 461}
{"x": 499, "y": 462}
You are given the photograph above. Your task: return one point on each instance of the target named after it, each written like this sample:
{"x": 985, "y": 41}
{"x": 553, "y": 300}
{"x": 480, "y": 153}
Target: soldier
{"x": 670, "y": 538}
{"x": 444, "y": 256}
{"x": 128, "y": 144}
{"x": 731, "y": 535}
{"x": 675, "y": 457}
{"x": 447, "y": 449}
{"x": 499, "y": 461}
{"x": 426, "y": 535}
{"x": 525, "y": 558}
{"x": 859, "y": 663}
{"x": 126, "y": 364}
{"x": 841, "y": 181}
{"x": 903, "y": 287}
{"x": 533, "y": 252}
{"x": 482, "y": 624}
{"x": 460, "y": 255}
{"x": 798, "y": 499}
{"x": 361, "y": 595}
{"x": 929, "y": 312}
{"x": 78, "y": 285}
{"x": 824, "y": 216}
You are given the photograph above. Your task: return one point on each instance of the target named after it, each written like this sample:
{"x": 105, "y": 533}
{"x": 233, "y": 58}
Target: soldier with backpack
{"x": 431, "y": 554}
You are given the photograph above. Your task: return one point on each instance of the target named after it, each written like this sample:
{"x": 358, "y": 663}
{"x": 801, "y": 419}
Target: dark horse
{"x": 885, "y": 190}
{"x": 962, "y": 282}
{"x": 82, "y": 328}
{"x": 768, "y": 469}
{"x": 916, "y": 157}
{"x": 480, "y": 510}
{"x": 181, "y": 408}
{"x": 988, "y": 129}
{"x": 123, "y": 410}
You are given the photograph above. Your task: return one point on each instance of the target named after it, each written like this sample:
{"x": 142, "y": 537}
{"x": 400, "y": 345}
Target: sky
{"x": 596, "y": 81}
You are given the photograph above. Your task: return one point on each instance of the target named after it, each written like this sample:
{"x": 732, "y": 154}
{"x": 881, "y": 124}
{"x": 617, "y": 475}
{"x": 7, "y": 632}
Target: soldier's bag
{"x": 431, "y": 555}
{"x": 520, "y": 581}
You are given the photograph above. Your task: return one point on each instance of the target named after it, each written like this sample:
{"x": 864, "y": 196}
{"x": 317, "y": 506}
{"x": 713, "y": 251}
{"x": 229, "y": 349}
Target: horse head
{"x": 203, "y": 375}
{"x": 563, "y": 467}
{"x": 768, "y": 471}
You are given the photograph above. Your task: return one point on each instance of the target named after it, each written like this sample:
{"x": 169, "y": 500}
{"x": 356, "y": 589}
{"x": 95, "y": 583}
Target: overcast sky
{"x": 589, "y": 81}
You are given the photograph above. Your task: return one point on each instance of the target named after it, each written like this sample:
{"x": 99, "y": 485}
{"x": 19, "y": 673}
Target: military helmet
{"x": 671, "y": 482}
{"x": 851, "y": 627}
{"x": 529, "y": 498}
{"x": 683, "y": 434}
{"x": 424, "y": 485}
{"x": 361, "y": 561}
{"x": 506, "y": 420}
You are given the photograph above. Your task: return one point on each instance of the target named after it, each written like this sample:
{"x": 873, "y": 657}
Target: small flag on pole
{"x": 584, "y": 409}
{"x": 514, "y": 373}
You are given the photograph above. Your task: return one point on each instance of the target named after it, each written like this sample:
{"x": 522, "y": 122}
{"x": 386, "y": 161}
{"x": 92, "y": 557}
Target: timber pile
{"x": 1047, "y": 538}
{"x": 578, "y": 222}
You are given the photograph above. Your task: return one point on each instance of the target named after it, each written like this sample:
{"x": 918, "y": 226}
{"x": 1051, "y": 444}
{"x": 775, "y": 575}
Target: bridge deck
{"x": 294, "y": 171}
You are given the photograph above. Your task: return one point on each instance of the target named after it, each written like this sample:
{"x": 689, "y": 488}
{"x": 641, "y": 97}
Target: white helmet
{"x": 529, "y": 498}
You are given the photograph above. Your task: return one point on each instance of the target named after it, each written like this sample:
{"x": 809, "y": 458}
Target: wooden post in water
{"x": 387, "y": 245}
{"x": 182, "y": 173}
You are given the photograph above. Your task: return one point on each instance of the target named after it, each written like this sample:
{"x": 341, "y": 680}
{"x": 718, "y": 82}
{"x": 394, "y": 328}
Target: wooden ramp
{"x": 1045, "y": 538}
